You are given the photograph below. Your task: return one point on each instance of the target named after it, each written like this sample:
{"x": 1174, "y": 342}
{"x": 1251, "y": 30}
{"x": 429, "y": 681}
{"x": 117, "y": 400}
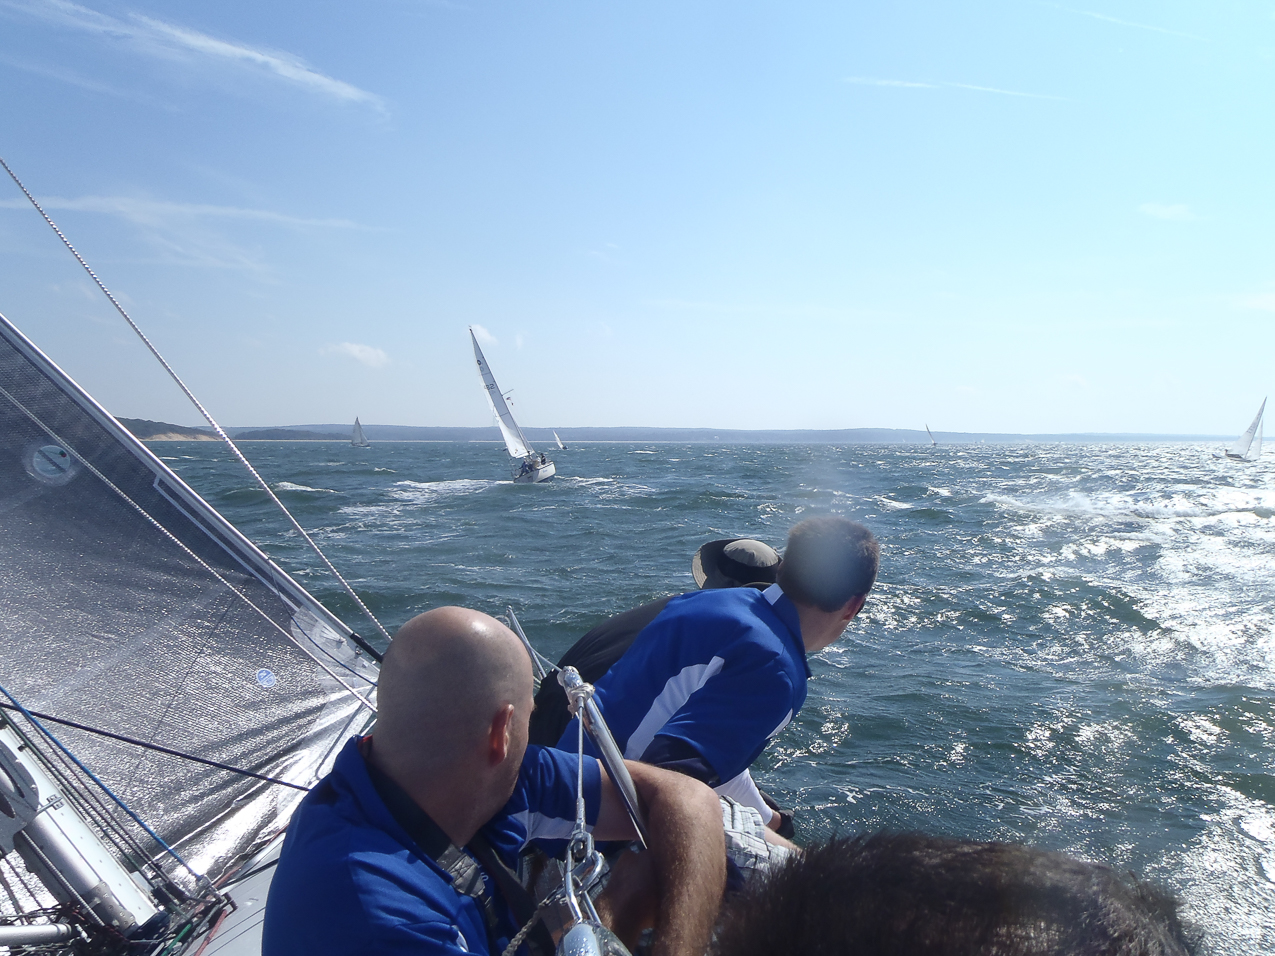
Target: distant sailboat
{"x": 358, "y": 439}
{"x": 1248, "y": 447}
{"x": 561, "y": 446}
{"x": 933, "y": 443}
{"x": 534, "y": 466}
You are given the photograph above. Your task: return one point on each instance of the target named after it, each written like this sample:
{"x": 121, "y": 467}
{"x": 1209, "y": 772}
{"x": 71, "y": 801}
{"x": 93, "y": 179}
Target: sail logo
{"x": 266, "y": 678}
{"x": 50, "y": 464}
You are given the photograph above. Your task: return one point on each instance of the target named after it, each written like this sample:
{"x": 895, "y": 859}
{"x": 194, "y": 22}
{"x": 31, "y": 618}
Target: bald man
{"x": 406, "y": 846}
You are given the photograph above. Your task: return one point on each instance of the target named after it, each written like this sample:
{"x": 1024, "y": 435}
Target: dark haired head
{"x": 918, "y": 895}
{"x": 828, "y": 561}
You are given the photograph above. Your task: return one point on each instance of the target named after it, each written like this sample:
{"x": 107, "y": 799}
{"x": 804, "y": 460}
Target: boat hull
{"x": 536, "y": 473}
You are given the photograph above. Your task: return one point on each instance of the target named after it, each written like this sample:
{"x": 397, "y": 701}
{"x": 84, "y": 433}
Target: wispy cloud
{"x": 918, "y": 85}
{"x": 72, "y": 78}
{"x": 483, "y": 336}
{"x": 188, "y": 234}
{"x": 152, "y": 212}
{"x": 1126, "y": 23}
{"x": 367, "y": 355}
{"x": 167, "y": 41}
{"x": 1175, "y": 212}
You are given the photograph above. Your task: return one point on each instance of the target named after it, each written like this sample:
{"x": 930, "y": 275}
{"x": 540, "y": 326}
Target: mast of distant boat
{"x": 933, "y": 443}
{"x": 1245, "y": 448}
{"x": 357, "y": 439}
{"x": 535, "y": 466}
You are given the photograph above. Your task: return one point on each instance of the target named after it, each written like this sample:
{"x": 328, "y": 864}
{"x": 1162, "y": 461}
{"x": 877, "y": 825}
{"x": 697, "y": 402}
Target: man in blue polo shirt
{"x": 717, "y": 673}
{"x": 406, "y": 846}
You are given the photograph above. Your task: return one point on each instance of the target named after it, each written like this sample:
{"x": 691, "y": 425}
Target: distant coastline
{"x": 165, "y": 431}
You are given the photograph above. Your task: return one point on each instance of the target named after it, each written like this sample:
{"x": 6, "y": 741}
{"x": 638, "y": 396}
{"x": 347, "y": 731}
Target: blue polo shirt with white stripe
{"x": 721, "y": 670}
{"x": 351, "y": 881}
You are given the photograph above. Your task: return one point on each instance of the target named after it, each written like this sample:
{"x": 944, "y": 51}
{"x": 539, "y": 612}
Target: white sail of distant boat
{"x": 534, "y": 466}
{"x": 931, "y": 434}
{"x": 1248, "y": 447}
{"x": 561, "y": 446}
{"x": 358, "y": 440}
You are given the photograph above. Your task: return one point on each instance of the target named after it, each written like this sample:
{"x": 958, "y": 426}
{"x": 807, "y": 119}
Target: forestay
{"x": 132, "y": 607}
{"x": 518, "y": 446}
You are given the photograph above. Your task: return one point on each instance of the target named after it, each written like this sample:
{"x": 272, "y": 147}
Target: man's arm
{"x": 678, "y": 884}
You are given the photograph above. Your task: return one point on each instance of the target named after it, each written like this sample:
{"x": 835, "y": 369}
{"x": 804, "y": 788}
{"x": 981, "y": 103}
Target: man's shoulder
{"x": 343, "y": 884}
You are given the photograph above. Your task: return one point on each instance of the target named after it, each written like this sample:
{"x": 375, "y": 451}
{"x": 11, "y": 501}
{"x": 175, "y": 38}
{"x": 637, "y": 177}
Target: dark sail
{"x": 129, "y": 605}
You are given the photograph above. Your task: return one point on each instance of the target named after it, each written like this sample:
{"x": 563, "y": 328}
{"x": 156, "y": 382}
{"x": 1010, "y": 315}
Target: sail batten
{"x": 515, "y": 442}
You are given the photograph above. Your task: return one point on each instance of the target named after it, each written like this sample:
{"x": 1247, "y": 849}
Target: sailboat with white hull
{"x": 1248, "y": 447}
{"x": 531, "y": 466}
{"x": 358, "y": 439}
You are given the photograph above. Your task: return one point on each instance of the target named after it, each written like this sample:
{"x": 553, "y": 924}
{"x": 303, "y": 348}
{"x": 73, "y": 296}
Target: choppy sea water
{"x": 1069, "y": 645}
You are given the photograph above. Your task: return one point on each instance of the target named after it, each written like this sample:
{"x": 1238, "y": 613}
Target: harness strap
{"x": 466, "y": 870}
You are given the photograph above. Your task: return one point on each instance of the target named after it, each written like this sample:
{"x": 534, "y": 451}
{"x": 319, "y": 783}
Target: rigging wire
{"x": 199, "y": 877}
{"x": 88, "y": 803}
{"x": 221, "y": 433}
{"x": 181, "y": 544}
{"x": 163, "y": 750}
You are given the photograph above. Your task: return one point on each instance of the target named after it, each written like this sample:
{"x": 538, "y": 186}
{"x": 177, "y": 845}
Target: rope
{"x": 156, "y": 747}
{"x": 194, "y": 401}
{"x": 199, "y": 877}
{"x": 522, "y": 933}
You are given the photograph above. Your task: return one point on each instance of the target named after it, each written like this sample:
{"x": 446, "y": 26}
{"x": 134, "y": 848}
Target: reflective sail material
{"x": 1242, "y": 446}
{"x": 131, "y": 607}
{"x": 518, "y": 446}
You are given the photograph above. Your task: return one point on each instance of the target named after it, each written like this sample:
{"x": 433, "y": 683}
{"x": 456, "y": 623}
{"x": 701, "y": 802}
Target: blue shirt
{"x": 351, "y": 881}
{"x": 722, "y": 671}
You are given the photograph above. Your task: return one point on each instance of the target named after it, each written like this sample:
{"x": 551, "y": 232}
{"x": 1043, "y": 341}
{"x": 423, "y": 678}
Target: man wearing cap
{"x": 728, "y": 563}
{"x": 716, "y": 673}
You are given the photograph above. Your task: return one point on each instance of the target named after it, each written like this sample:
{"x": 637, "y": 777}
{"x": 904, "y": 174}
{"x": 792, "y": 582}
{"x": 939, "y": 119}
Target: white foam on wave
{"x": 892, "y": 505}
{"x": 1213, "y": 876}
{"x": 390, "y": 470}
{"x": 293, "y": 486}
{"x": 422, "y": 491}
{"x": 1197, "y": 503}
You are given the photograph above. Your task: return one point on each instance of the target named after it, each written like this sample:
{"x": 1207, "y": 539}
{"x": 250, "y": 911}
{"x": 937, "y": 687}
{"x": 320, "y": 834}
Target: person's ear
{"x": 853, "y": 607}
{"x": 498, "y": 736}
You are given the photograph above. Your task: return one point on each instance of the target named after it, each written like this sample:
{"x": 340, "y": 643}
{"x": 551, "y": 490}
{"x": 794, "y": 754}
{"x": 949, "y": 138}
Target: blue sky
{"x": 987, "y": 216}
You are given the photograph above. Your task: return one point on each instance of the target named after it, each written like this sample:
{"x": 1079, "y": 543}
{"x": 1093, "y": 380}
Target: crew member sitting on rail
{"x": 717, "y": 673}
{"x": 727, "y": 563}
{"x": 405, "y": 847}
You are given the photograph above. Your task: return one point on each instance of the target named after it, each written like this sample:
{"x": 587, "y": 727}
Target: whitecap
{"x": 293, "y": 486}
{"x": 423, "y": 491}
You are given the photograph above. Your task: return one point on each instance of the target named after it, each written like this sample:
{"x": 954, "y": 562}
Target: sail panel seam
{"x": 182, "y": 545}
